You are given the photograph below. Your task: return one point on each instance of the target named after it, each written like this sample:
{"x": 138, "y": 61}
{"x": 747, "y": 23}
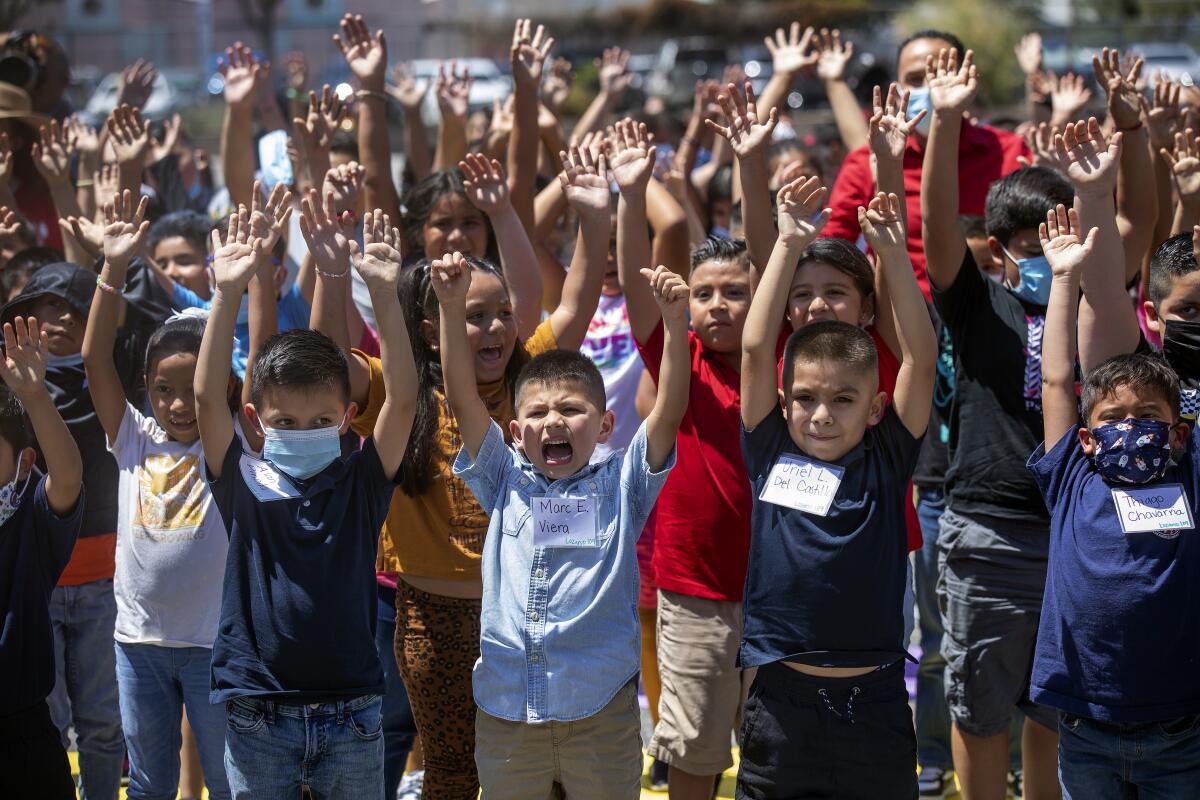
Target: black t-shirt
{"x": 35, "y": 545}
{"x": 829, "y": 590}
{"x": 996, "y": 415}
{"x": 934, "y": 460}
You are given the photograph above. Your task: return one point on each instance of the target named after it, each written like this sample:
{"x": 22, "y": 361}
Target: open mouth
{"x": 557, "y": 452}
{"x": 491, "y": 354}
{"x": 182, "y": 422}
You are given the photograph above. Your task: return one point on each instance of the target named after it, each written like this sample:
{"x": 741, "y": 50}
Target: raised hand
{"x": 234, "y": 261}
{"x": 798, "y": 203}
{"x": 365, "y": 55}
{"x": 1029, "y": 53}
{"x": 486, "y": 183}
{"x": 1084, "y": 155}
{"x": 108, "y": 183}
{"x": 882, "y": 224}
{"x": 1163, "y": 117}
{"x": 1061, "y": 244}
{"x": 26, "y": 353}
{"x": 832, "y": 55}
{"x": 87, "y": 233}
{"x": 137, "y": 84}
{"x": 269, "y": 221}
{"x": 1185, "y": 165}
{"x": 327, "y": 235}
{"x": 670, "y": 291}
{"x": 1069, "y": 96}
{"x": 790, "y": 50}
{"x": 1040, "y": 141}
{"x": 242, "y": 73}
{"x": 1124, "y": 100}
{"x": 557, "y": 85}
{"x": 453, "y": 91}
{"x": 344, "y": 183}
{"x": 704, "y": 104}
{"x": 613, "y": 70}
{"x": 325, "y": 114}
{"x": 380, "y": 260}
{"x": 129, "y": 134}
{"x": 161, "y": 149}
{"x": 528, "y": 53}
{"x": 125, "y": 227}
{"x": 585, "y": 181}
{"x": 52, "y": 155}
{"x": 295, "y": 65}
{"x": 404, "y": 88}
{"x": 748, "y": 133}
{"x": 632, "y": 156}
{"x": 87, "y": 140}
{"x": 951, "y": 87}
{"x": 890, "y": 127}
{"x": 451, "y": 278}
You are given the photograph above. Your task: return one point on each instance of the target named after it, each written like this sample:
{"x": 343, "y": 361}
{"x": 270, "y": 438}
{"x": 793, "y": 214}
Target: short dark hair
{"x": 562, "y": 366}
{"x": 840, "y": 342}
{"x": 1020, "y": 200}
{"x": 1144, "y": 374}
{"x": 845, "y": 258}
{"x": 929, "y": 33}
{"x": 20, "y": 268}
{"x": 716, "y": 248}
{"x": 974, "y": 226}
{"x": 14, "y": 424}
{"x": 1172, "y": 259}
{"x": 299, "y": 358}
{"x": 191, "y": 226}
{"x": 346, "y": 143}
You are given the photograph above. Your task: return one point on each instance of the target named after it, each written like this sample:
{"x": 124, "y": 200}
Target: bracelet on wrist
{"x": 86, "y": 183}
{"x": 1141, "y": 124}
{"x": 362, "y": 94}
{"x": 333, "y": 275}
{"x": 106, "y": 288}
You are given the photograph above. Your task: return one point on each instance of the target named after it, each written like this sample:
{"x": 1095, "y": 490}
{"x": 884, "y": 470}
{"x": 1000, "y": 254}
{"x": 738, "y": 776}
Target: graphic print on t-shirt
{"x": 172, "y": 500}
{"x": 1033, "y": 362}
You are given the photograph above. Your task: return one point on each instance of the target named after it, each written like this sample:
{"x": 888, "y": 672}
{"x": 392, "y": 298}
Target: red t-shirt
{"x": 984, "y": 156}
{"x": 702, "y": 536}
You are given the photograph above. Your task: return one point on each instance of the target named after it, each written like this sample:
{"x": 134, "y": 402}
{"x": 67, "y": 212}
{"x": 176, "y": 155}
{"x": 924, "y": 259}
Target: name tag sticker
{"x": 804, "y": 485}
{"x": 264, "y": 481}
{"x": 564, "y": 521}
{"x": 1153, "y": 510}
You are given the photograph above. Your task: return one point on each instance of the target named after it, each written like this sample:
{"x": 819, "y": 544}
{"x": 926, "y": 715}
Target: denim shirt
{"x": 560, "y": 633}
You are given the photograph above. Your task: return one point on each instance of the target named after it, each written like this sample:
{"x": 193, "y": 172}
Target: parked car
{"x": 1177, "y": 61}
{"x": 161, "y": 104}
{"x": 488, "y": 83}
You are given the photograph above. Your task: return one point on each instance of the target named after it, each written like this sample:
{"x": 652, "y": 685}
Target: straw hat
{"x": 15, "y": 104}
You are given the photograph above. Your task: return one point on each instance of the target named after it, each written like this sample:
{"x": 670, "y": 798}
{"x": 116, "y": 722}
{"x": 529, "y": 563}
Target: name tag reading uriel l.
{"x": 564, "y": 521}
{"x": 1158, "y": 508}
{"x": 796, "y": 482}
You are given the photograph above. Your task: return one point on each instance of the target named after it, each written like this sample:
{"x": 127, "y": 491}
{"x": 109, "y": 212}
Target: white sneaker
{"x": 410, "y": 786}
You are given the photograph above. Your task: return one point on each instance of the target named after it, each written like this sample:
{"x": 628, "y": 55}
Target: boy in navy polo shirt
{"x": 294, "y": 660}
{"x": 828, "y": 712}
{"x": 1118, "y": 648}
{"x": 38, "y": 526}
{"x": 556, "y": 680}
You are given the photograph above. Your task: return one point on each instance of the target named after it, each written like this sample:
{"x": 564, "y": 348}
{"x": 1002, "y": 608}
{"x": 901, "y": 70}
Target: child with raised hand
{"x": 825, "y": 584}
{"x": 558, "y": 645}
{"x": 38, "y": 526}
{"x": 302, "y": 522}
{"x": 171, "y": 543}
{"x": 1122, "y": 485}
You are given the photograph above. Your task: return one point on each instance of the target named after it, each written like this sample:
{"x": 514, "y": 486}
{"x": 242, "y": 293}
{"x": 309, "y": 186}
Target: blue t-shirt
{"x": 829, "y": 591}
{"x": 1119, "y": 638}
{"x": 35, "y": 545}
{"x": 292, "y": 312}
{"x": 298, "y": 606}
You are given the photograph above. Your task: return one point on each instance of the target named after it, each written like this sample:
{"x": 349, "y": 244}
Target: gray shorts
{"x": 991, "y": 578}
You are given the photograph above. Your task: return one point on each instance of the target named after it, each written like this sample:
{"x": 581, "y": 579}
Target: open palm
{"x": 26, "y": 352}
{"x": 366, "y": 55}
{"x": 632, "y": 157}
{"x": 380, "y": 259}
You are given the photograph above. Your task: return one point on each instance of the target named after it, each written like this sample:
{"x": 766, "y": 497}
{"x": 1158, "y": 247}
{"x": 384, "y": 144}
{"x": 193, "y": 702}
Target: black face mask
{"x": 1181, "y": 347}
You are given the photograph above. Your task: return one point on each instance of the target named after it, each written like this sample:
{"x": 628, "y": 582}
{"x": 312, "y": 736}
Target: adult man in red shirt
{"x": 984, "y": 155}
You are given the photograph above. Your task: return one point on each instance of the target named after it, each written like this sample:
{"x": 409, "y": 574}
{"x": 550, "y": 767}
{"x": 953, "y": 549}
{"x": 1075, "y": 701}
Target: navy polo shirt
{"x": 828, "y": 590}
{"x": 35, "y": 545}
{"x": 298, "y": 606}
{"x": 1119, "y": 637}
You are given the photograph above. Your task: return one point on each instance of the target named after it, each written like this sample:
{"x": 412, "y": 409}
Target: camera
{"x": 18, "y": 64}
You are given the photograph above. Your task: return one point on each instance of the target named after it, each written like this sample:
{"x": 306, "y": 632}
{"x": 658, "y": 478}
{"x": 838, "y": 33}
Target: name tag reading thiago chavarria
{"x": 1161, "y": 509}
{"x": 796, "y": 482}
{"x": 564, "y": 522}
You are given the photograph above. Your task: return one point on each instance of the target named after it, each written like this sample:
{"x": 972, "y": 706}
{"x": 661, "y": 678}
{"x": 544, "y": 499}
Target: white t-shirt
{"x": 171, "y": 542}
{"x": 610, "y": 345}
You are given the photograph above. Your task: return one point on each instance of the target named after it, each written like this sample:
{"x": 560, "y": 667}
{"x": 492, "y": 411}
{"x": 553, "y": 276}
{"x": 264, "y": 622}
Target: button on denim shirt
{"x": 560, "y": 631}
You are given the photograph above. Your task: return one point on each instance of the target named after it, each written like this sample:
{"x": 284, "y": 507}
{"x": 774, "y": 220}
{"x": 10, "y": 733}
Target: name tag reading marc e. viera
{"x": 564, "y": 521}
{"x": 796, "y": 482}
{"x": 1155, "y": 509}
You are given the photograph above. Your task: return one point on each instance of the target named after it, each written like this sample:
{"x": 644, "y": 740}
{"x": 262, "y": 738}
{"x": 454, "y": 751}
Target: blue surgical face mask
{"x": 918, "y": 101}
{"x": 1035, "y": 279}
{"x": 302, "y": 454}
{"x": 1132, "y": 450}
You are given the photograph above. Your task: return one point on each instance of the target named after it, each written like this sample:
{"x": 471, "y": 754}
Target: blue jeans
{"x": 399, "y": 730}
{"x": 85, "y": 687}
{"x": 1154, "y": 761}
{"x": 156, "y": 683}
{"x": 336, "y": 749}
{"x": 933, "y": 715}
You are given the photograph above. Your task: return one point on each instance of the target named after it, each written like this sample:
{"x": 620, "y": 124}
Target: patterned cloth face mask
{"x": 10, "y": 498}
{"x": 1133, "y": 450}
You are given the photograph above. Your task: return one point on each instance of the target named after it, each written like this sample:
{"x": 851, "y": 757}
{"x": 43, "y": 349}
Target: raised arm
{"x": 453, "y": 91}
{"x": 798, "y": 202}
{"x": 405, "y": 90}
{"x": 613, "y": 72}
{"x": 632, "y": 166}
{"x": 1162, "y": 120}
{"x": 527, "y": 58}
{"x": 52, "y": 157}
{"x": 488, "y": 191}
{"x": 586, "y": 186}
{"x": 791, "y": 53}
{"x": 379, "y": 264}
{"x": 313, "y": 136}
{"x": 242, "y": 74}
{"x": 233, "y": 266}
{"x": 1068, "y": 256}
{"x": 832, "y": 58}
{"x": 1184, "y": 165}
{"x": 670, "y": 293}
{"x": 130, "y": 139}
{"x": 451, "y": 278}
{"x": 951, "y": 90}
{"x": 23, "y": 369}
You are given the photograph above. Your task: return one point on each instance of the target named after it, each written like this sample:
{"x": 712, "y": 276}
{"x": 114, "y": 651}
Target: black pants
{"x": 807, "y": 737}
{"x": 33, "y": 763}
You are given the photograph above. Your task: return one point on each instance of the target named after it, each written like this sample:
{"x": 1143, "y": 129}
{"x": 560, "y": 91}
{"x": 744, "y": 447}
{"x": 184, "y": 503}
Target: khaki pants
{"x": 595, "y": 758}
